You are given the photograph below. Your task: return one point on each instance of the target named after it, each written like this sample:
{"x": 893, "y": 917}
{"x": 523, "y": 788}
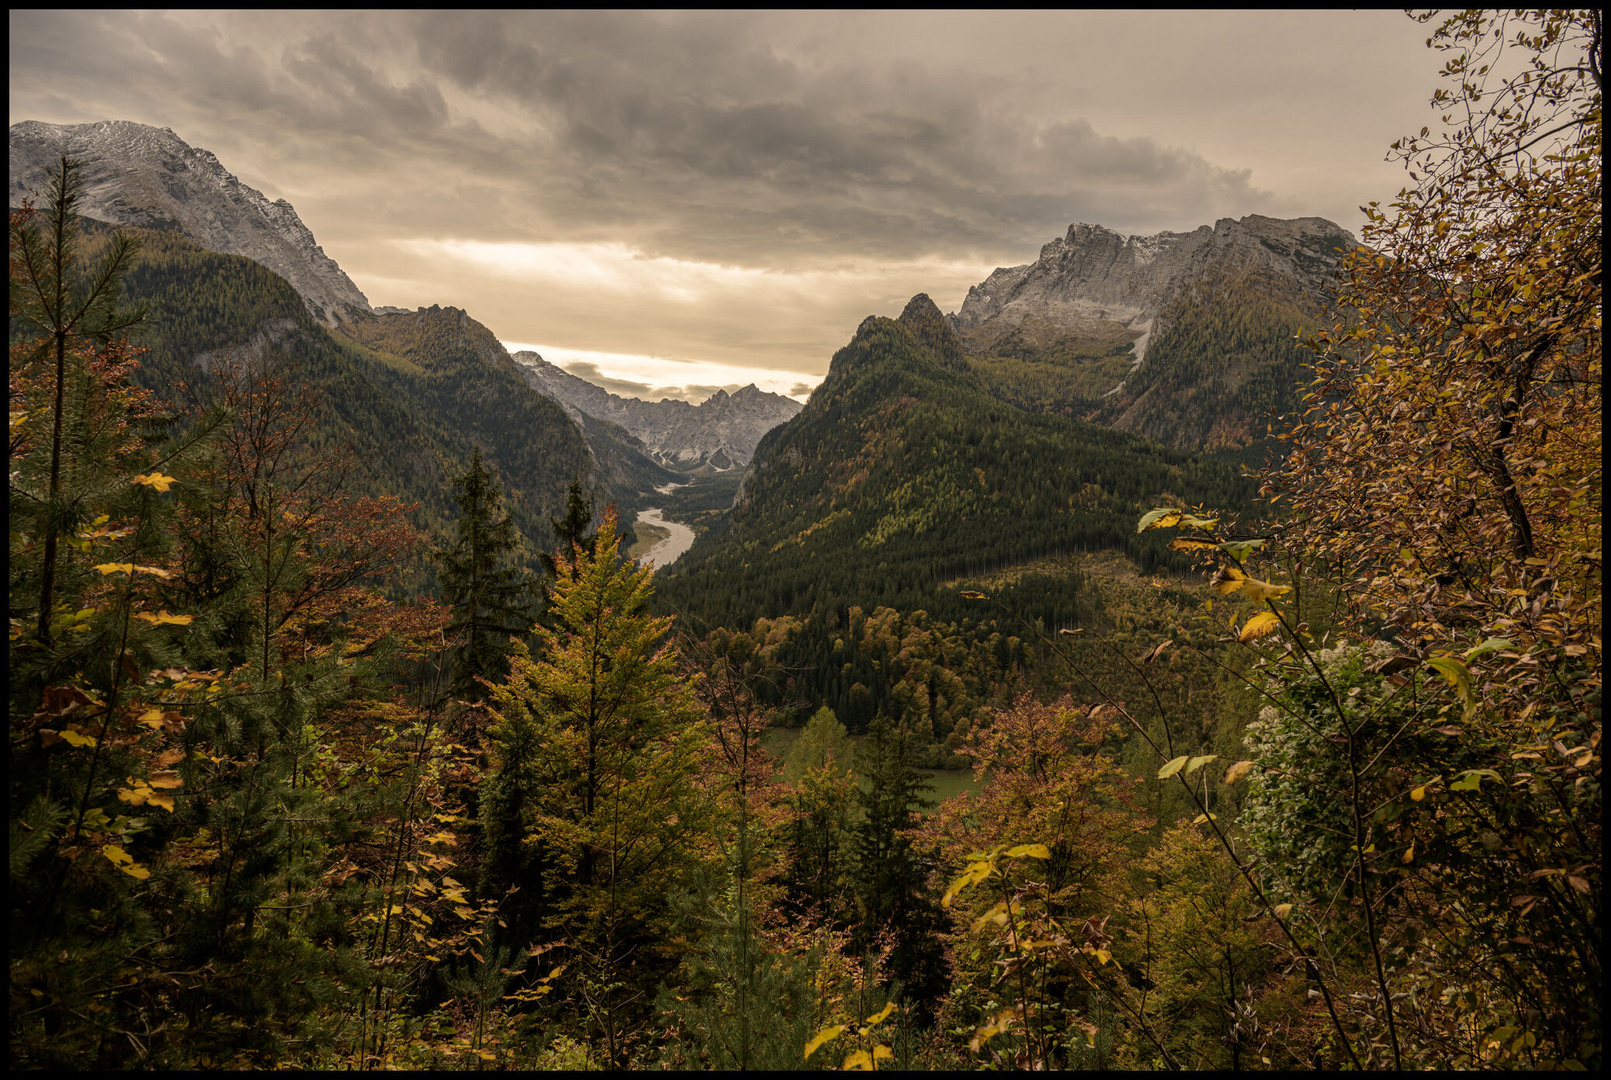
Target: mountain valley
{"x": 717, "y": 435}
{"x": 1185, "y": 654}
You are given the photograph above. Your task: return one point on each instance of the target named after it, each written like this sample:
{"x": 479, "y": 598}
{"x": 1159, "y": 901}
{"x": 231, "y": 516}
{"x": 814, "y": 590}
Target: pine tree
{"x": 491, "y": 599}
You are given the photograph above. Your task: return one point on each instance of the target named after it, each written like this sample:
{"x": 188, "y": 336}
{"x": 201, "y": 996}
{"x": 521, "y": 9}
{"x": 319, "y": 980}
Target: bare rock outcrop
{"x": 1094, "y": 275}
{"x": 146, "y": 176}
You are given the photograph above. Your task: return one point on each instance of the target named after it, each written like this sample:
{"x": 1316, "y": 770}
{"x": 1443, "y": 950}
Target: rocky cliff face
{"x": 720, "y": 432}
{"x": 139, "y": 175}
{"x": 1093, "y": 275}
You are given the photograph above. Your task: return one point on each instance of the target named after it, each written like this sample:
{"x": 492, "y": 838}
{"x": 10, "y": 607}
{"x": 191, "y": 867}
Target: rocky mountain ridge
{"x": 1093, "y": 275}
{"x": 720, "y": 433}
{"x": 139, "y": 175}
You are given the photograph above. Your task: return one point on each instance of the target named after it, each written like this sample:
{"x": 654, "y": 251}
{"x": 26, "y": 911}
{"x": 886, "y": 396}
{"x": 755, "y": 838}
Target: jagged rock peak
{"x": 720, "y": 432}
{"x": 1092, "y": 273}
{"x": 924, "y": 322}
{"x": 139, "y": 175}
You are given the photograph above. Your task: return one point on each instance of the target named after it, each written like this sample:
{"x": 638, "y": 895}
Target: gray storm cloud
{"x": 902, "y": 152}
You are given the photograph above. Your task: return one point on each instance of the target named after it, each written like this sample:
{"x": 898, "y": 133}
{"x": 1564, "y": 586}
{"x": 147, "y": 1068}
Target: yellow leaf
{"x": 997, "y": 915}
{"x": 858, "y": 1061}
{"x": 164, "y": 617}
{"x": 115, "y": 568}
{"x": 1282, "y": 910}
{"x": 827, "y": 1034}
{"x": 1260, "y": 625}
{"x": 1226, "y": 580}
{"x": 155, "y": 571}
{"x": 135, "y": 870}
{"x": 1164, "y": 518}
{"x": 1102, "y": 956}
{"x": 1458, "y": 676}
{"x": 974, "y": 874}
{"x": 76, "y": 738}
{"x": 116, "y": 854}
{"x": 880, "y": 1016}
{"x": 154, "y": 480}
{"x": 1418, "y": 794}
{"x": 164, "y": 801}
{"x": 882, "y": 1052}
{"x": 1033, "y": 851}
{"x": 1259, "y": 591}
{"x": 1183, "y": 544}
{"x": 167, "y": 778}
{"x": 1237, "y": 771}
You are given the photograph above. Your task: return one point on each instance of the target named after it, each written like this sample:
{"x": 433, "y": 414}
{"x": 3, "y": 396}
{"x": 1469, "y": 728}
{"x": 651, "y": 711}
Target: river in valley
{"x": 667, "y": 551}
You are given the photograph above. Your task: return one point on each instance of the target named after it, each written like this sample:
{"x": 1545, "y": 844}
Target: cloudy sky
{"x": 686, "y": 201}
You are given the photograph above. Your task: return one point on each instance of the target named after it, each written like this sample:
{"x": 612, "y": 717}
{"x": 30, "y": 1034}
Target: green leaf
{"x": 1493, "y": 644}
{"x": 1171, "y": 768}
{"x": 1471, "y": 779}
{"x": 1162, "y": 518}
{"x": 1240, "y": 549}
{"x": 1459, "y": 677}
{"x": 1198, "y": 762}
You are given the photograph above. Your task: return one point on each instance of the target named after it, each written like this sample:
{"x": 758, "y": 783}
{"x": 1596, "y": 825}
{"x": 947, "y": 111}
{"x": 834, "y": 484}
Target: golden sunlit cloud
{"x": 654, "y": 377}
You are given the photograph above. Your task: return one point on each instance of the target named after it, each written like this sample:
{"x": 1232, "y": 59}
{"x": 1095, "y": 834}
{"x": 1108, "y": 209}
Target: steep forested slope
{"x": 903, "y": 472}
{"x": 410, "y": 394}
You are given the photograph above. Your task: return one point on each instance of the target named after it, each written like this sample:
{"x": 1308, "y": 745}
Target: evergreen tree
{"x": 746, "y": 1006}
{"x": 892, "y": 878}
{"x": 570, "y": 532}
{"x": 614, "y": 746}
{"x": 819, "y": 764}
{"x": 61, "y": 307}
{"x": 491, "y": 599}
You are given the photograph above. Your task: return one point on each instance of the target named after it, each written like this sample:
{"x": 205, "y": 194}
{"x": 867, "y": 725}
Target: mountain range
{"x": 937, "y": 443}
{"x": 1188, "y": 338}
{"x": 718, "y": 434}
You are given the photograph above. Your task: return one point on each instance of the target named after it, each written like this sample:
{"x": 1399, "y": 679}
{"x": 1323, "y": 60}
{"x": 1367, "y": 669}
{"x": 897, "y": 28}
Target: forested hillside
{"x": 901, "y": 477}
{"x": 1293, "y": 771}
{"x": 902, "y": 473}
{"x": 408, "y": 396}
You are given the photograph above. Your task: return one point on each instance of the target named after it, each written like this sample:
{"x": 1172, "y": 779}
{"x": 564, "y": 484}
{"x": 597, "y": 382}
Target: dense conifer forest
{"x": 344, "y": 736}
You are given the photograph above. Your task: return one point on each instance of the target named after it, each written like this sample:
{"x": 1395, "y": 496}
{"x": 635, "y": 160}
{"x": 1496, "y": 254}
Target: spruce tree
{"x": 892, "y": 878}
{"x": 491, "y": 599}
{"x": 609, "y": 760}
{"x": 570, "y": 531}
